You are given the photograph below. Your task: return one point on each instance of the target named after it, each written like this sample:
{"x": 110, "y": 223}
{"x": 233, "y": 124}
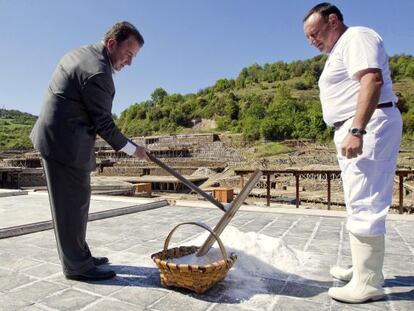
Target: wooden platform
{"x": 157, "y": 178}
{"x": 166, "y": 183}
{"x": 10, "y": 176}
{"x": 329, "y": 174}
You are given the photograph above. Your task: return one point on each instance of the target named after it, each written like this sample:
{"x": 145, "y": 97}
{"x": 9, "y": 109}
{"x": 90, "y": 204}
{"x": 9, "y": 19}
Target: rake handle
{"x": 186, "y": 182}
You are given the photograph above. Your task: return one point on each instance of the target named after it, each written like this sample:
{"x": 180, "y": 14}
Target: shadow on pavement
{"x": 241, "y": 283}
{"x": 238, "y": 287}
{"x": 399, "y": 281}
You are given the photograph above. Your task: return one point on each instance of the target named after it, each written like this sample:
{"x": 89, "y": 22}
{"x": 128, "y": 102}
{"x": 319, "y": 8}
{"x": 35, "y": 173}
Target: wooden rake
{"x": 231, "y": 211}
{"x": 186, "y": 182}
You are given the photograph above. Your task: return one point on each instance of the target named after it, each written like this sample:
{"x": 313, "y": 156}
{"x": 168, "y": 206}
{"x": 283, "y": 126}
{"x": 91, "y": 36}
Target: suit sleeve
{"x": 97, "y": 95}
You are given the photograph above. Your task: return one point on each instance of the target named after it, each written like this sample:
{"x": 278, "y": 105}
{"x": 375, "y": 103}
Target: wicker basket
{"x": 197, "y": 278}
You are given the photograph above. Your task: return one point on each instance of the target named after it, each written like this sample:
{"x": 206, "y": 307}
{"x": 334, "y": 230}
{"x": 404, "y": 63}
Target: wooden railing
{"x": 329, "y": 174}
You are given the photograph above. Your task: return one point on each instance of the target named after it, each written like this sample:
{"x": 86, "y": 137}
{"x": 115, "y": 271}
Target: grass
{"x": 14, "y": 135}
{"x": 407, "y": 142}
{"x": 262, "y": 150}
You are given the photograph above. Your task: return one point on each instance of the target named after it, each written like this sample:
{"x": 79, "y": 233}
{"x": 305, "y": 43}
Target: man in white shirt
{"x": 358, "y": 101}
{"x": 76, "y": 108}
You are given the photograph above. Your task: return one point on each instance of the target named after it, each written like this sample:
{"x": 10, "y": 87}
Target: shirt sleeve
{"x": 362, "y": 51}
{"x": 129, "y": 148}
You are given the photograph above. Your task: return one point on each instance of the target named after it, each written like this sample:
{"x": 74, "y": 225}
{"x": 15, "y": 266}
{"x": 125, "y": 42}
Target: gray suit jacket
{"x": 78, "y": 106}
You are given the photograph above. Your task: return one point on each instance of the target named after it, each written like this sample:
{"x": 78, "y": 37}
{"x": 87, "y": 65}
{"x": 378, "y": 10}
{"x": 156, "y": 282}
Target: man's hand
{"x": 142, "y": 153}
{"x": 351, "y": 147}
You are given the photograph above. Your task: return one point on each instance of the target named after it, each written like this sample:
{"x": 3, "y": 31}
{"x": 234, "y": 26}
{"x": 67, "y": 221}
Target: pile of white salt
{"x": 258, "y": 254}
{"x": 262, "y": 263}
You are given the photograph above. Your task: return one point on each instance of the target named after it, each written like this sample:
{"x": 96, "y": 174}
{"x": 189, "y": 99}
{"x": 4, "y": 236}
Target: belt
{"x": 338, "y": 124}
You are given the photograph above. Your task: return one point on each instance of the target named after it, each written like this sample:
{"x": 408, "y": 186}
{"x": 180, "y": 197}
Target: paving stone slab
{"x": 112, "y": 304}
{"x": 35, "y": 292}
{"x": 293, "y": 304}
{"x": 69, "y": 299}
{"x": 175, "y": 301}
{"x": 140, "y": 295}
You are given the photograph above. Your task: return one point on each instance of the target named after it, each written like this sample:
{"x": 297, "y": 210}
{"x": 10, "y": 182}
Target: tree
{"x": 309, "y": 79}
{"x": 251, "y": 128}
{"x": 158, "y": 95}
{"x": 408, "y": 122}
{"x": 231, "y": 107}
{"x": 223, "y": 85}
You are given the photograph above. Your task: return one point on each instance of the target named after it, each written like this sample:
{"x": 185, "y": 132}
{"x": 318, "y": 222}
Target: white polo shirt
{"x": 357, "y": 49}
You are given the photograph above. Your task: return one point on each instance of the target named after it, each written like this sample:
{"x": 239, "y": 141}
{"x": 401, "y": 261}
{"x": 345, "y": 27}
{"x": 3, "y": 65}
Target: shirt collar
{"x": 109, "y": 59}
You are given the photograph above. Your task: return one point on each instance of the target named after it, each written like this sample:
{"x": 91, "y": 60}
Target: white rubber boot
{"x": 345, "y": 274}
{"x": 340, "y": 273}
{"x": 367, "y": 261}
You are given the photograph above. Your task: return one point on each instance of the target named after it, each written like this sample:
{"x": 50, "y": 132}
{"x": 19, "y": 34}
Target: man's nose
{"x": 311, "y": 40}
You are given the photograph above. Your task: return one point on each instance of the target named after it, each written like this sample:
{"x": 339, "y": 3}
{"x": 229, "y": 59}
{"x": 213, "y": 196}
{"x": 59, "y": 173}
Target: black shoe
{"x": 93, "y": 274}
{"x": 98, "y": 261}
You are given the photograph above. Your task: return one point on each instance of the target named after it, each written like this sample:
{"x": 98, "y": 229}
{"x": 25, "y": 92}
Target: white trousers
{"x": 368, "y": 179}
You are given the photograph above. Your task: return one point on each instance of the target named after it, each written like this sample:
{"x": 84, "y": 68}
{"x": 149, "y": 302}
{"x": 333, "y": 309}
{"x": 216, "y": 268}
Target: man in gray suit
{"x": 76, "y": 108}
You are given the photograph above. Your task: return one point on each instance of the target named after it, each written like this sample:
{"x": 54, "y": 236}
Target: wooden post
{"x": 297, "y": 189}
{"x": 401, "y": 192}
{"x": 328, "y": 176}
{"x": 18, "y": 180}
{"x": 268, "y": 189}
{"x": 241, "y": 181}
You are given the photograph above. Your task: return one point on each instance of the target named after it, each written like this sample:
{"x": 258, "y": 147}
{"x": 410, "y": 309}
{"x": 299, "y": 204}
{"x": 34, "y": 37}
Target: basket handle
{"x": 202, "y": 225}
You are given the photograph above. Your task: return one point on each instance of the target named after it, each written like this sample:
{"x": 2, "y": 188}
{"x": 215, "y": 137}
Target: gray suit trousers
{"x": 69, "y": 196}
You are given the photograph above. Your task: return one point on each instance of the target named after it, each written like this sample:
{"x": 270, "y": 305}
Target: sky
{"x": 189, "y": 44}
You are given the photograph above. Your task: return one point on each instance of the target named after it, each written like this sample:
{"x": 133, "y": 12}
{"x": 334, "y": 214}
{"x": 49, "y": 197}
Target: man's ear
{"x": 110, "y": 44}
{"x": 333, "y": 20}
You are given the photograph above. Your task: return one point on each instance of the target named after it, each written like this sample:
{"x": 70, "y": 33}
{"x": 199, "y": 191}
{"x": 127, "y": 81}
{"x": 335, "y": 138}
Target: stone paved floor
{"x": 31, "y": 278}
{"x": 26, "y": 209}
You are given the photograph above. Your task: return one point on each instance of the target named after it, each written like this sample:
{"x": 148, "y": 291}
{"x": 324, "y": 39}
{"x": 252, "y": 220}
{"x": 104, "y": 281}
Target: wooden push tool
{"x": 231, "y": 211}
{"x": 186, "y": 182}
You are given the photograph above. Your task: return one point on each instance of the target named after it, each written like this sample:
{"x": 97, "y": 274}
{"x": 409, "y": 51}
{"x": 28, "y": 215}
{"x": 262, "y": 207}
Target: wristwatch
{"x": 354, "y": 131}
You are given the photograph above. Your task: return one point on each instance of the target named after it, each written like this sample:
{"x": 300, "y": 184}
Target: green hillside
{"x": 15, "y": 127}
{"x": 273, "y": 101}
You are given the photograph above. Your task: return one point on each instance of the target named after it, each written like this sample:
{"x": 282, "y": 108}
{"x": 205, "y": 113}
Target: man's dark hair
{"x": 122, "y": 31}
{"x": 325, "y": 9}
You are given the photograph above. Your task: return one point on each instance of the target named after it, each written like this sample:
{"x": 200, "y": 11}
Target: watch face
{"x": 357, "y": 132}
